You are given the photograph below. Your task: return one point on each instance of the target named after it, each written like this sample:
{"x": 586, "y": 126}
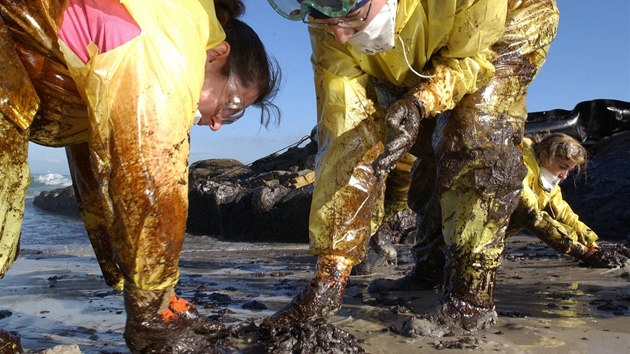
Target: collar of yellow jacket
{"x": 529, "y": 156}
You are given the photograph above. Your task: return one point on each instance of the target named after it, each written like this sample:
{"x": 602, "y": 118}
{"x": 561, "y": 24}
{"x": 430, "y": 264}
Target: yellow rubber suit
{"x": 546, "y": 214}
{"x": 396, "y": 189}
{"x": 124, "y": 116}
{"x": 482, "y": 54}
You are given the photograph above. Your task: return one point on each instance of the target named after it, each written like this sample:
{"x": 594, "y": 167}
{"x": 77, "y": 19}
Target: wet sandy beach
{"x": 546, "y": 303}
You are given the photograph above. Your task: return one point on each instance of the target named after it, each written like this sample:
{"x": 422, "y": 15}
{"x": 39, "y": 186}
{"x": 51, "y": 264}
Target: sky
{"x": 589, "y": 59}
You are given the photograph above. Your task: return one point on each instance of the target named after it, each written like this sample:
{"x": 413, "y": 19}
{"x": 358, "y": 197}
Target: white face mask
{"x": 197, "y": 117}
{"x": 548, "y": 180}
{"x": 378, "y": 35}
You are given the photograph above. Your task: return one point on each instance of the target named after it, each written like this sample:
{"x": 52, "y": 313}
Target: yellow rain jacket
{"x": 125, "y": 116}
{"x": 350, "y": 123}
{"x": 550, "y": 217}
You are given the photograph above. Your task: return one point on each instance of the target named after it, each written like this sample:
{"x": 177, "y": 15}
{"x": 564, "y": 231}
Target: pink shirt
{"x": 107, "y": 23}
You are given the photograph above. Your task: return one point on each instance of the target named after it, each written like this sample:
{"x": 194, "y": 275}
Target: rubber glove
{"x": 606, "y": 257}
{"x": 402, "y": 125}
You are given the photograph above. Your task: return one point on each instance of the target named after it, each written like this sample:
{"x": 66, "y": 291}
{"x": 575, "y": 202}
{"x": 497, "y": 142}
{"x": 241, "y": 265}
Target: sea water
{"x": 44, "y": 228}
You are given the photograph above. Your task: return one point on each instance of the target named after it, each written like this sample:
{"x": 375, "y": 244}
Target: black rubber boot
{"x": 427, "y": 274}
{"x": 154, "y": 327}
{"x": 320, "y": 300}
{"x": 418, "y": 278}
{"x": 468, "y": 302}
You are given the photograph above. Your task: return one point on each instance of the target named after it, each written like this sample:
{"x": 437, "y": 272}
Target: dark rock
{"x": 270, "y": 199}
{"x": 267, "y": 201}
{"x": 10, "y": 342}
{"x": 600, "y": 194}
{"x": 59, "y": 201}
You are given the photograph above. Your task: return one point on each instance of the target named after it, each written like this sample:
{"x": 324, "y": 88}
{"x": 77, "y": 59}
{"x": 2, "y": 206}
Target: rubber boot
{"x": 428, "y": 272}
{"x": 321, "y": 299}
{"x": 160, "y": 322}
{"x": 468, "y": 302}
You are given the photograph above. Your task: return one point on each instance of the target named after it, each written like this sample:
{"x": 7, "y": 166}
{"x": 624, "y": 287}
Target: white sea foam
{"x": 52, "y": 179}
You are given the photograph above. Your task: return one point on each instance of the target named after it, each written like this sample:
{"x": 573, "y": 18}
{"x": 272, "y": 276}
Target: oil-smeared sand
{"x": 546, "y": 303}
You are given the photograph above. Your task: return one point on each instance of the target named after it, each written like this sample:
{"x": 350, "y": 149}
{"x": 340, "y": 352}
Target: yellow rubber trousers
{"x": 128, "y": 151}
{"x": 479, "y": 163}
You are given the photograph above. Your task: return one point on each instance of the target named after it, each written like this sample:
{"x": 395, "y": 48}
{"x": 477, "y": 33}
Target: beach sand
{"x": 56, "y": 298}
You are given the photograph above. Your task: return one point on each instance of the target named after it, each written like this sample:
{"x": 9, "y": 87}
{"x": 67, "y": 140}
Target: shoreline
{"x": 546, "y": 302}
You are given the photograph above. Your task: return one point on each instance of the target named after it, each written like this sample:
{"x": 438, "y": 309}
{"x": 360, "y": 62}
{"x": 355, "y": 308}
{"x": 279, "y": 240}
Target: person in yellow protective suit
{"x": 118, "y": 84}
{"x": 465, "y": 63}
{"x": 541, "y": 210}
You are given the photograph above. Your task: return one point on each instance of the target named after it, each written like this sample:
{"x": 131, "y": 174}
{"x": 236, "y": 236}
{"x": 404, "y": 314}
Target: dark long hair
{"x": 249, "y": 60}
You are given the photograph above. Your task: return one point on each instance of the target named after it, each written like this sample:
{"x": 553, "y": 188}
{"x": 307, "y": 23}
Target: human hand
{"x": 606, "y": 258}
{"x": 402, "y": 124}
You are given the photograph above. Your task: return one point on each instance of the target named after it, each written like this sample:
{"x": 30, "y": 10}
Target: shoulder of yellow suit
{"x": 217, "y": 34}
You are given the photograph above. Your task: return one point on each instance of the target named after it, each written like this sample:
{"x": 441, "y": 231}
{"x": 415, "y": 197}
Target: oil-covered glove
{"x": 606, "y": 257}
{"x": 402, "y": 124}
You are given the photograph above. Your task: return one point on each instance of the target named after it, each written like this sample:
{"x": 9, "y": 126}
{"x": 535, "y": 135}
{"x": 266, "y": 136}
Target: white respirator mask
{"x": 197, "y": 117}
{"x": 378, "y": 35}
{"x": 548, "y": 180}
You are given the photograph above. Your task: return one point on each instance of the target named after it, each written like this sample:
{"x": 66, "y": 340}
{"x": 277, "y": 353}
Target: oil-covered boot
{"x": 321, "y": 299}
{"x": 467, "y": 304}
{"x": 428, "y": 272}
{"x": 160, "y": 322}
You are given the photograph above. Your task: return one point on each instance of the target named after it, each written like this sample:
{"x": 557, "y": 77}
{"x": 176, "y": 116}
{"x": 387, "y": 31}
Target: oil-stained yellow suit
{"x": 546, "y": 214}
{"x": 124, "y": 118}
{"x": 481, "y": 56}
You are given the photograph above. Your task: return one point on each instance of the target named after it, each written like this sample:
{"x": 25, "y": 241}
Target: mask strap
{"x": 409, "y": 65}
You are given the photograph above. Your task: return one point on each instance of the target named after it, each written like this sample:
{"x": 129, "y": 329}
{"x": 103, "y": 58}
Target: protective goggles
{"x": 232, "y": 105}
{"x": 298, "y": 9}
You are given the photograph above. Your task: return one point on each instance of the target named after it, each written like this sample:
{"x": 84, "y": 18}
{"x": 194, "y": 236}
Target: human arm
{"x": 539, "y": 222}
{"x": 451, "y": 59}
{"x": 586, "y": 249}
{"x": 401, "y": 128}
{"x": 577, "y": 242}
{"x": 564, "y": 214}
{"x": 459, "y": 54}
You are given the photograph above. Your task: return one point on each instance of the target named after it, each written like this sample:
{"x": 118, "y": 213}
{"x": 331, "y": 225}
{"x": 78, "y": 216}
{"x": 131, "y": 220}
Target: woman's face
{"x": 220, "y": 91}
{"x": 559, "y": 166}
